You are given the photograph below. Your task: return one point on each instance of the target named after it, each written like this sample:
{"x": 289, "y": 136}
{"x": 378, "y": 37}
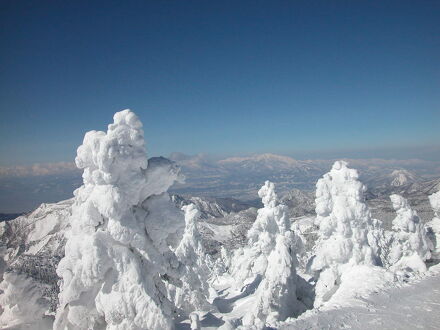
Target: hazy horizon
{"x": 23, "y": 188}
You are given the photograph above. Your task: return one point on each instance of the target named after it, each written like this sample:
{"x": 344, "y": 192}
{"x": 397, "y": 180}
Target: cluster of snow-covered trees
{"x": 352, "y": 246}
{"x": 134, "y": 261}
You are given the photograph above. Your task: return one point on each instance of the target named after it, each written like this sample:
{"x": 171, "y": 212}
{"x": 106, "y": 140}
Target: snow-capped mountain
{"x": 262, "y": 163}
{"x": 391, "y": 180}
{"x": 240, "y": 177}
{"x": 402, "y": 177}
{"x": 208, "y": 176}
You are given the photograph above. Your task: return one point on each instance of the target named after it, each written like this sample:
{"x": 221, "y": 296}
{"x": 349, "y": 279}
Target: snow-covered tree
{"x": 344, "y": 220}
{"x": 117, "y": 254}
{"x": 222, "y": 264}
{"x": 21, "y": 303}
{"x": 411, "y": 247}
{"x": 267, "y": 264}
{"x": 434, "y": 225}
{"x": 380, "y": 241}
{"x": 193, "y": 294}
{"x": 251, "y": 261}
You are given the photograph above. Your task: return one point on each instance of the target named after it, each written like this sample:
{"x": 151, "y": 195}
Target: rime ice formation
{"x": 261, "y": 236}
{"x": 411, "y": 246}
{"x": 20, "y": 302}
{"x": 343, "y": 220}
{"x": 434, "y": 225}
{"x": 191, "y": 254}
{"x": 117, "y": 254}
{"x": 268, "y": 263}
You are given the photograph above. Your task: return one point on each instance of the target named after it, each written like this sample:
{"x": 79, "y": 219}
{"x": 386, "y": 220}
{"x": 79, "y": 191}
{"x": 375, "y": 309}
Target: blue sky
{"x": 222, "y": 77}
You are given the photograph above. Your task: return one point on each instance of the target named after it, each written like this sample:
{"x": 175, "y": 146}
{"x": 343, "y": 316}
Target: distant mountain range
{"x": 232, "y": 177}
{"x": 241, "y": 177}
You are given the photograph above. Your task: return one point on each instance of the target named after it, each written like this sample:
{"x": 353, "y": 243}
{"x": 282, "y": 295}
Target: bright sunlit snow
{"x": 124, "y": 254}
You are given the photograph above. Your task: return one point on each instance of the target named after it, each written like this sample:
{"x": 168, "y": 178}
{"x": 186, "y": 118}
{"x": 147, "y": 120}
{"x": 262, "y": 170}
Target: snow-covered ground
{"x": 411, "y": 305}
{"x": 415, "y": 305}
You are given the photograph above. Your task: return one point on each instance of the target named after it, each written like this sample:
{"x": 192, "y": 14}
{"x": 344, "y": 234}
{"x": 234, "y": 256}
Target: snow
{"x": 414, "y": 305}
{"x": 190, "y": 252}
{"x": 411, "y": 247}
{"x": 261, "y": 287}
{"x": 343, "y": 220}
{"x": 135, "y": 261}
{"x": 401, "y": 177}
{"x": 21, "y": 303}
{"x": 222, "y": 233}
{"x": 111, "y": 273}
{"x": 434, "y": 225}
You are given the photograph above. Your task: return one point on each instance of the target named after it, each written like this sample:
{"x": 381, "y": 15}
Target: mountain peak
{"x": 401, "y": 177}
{"x": 266, "y": 157}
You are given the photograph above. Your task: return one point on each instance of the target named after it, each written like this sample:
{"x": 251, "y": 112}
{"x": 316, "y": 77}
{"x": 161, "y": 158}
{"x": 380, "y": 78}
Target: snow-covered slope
{"x": 210, "y": 207}
{"x": 402, "y": 177}
{"x": 33, "y": 245}
{"x": 414, "y": 305}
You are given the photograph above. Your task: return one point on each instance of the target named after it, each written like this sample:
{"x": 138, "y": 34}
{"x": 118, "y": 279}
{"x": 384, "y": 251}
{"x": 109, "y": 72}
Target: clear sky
{"x": 222, "y": 77}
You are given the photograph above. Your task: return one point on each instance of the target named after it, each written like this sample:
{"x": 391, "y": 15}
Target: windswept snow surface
{"x": 414, "y": 305}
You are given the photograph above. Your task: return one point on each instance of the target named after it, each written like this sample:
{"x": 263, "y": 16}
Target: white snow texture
{"x": 343, "y": 220}
{"x": 411, "y": 246}
{"x": 434, "y": 224}
{"x": 116, "y": 254}
{"x": 268, "y": 264}
{"x": 20, "y": 302}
